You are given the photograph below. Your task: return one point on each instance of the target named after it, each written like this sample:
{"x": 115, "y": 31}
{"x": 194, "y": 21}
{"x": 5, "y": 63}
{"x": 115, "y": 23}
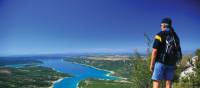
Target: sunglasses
{"x": 164, "y": 24}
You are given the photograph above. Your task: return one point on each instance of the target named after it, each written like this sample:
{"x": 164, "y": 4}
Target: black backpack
{"x": 172, "y": 51}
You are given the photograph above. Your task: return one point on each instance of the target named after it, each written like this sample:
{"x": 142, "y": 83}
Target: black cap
{"x": 167, "y": 20}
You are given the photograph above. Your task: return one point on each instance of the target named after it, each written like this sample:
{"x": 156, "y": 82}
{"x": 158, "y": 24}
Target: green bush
{"x": 141, "y": 74}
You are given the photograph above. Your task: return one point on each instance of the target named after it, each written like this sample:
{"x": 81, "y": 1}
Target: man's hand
{"x": 151, "y": 68}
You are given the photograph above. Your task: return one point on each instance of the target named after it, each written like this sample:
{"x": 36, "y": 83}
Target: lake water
{"x": 79, "y": 72}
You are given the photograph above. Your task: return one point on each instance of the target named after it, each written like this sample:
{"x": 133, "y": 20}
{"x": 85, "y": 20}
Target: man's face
{"x": 163, "y": 26}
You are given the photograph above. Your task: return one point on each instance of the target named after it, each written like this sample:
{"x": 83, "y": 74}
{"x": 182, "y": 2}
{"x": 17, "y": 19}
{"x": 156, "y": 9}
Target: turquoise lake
{"x": 79, "y": 72}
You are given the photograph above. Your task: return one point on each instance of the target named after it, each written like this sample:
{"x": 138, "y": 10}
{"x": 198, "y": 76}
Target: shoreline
{"x": 110, "y": 73}
{"x": 56, "y": 81}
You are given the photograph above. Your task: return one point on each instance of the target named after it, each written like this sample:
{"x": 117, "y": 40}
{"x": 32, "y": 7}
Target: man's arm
{"x": 153, "y": 57}
{"x": 156, "y": 46}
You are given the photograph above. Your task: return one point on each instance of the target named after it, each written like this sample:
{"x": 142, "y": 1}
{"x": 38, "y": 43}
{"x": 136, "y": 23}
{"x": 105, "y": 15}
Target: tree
{"x": 141, "y": 74}
{"x": 197, "y": 69}
{"x": 149, "y": 42}
{"x": 197, "y": 53}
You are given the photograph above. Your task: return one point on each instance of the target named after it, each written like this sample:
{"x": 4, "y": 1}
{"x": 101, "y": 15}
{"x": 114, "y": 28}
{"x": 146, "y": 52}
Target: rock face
{"x": 190, "y": 65}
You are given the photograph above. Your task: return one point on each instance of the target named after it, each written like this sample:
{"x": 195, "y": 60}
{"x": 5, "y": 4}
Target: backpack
{"x": 172, "y": 52}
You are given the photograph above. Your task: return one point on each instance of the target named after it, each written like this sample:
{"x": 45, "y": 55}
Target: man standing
{"x": 165, "y": 54}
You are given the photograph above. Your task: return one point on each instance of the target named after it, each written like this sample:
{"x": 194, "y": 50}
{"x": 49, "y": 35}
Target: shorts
{"x": 163, "y": 72}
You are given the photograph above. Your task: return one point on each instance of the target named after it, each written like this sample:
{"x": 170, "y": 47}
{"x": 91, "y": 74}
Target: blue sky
{"x": 78, "y": 26}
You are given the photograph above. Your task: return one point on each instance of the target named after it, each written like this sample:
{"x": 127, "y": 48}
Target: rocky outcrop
{"x": 190, "y": 65}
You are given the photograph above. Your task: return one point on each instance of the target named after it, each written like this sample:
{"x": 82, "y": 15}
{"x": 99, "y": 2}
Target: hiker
{"x": 166, "y": 54}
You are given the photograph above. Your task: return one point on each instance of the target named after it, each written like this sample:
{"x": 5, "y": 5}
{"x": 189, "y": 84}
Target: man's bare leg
{"x": 156, "y": 84}
{"x": 168, "y": 83}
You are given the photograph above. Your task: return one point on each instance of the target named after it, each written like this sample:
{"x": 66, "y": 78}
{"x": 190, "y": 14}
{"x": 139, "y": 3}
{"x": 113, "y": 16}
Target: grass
{"x": 95, "y": 83}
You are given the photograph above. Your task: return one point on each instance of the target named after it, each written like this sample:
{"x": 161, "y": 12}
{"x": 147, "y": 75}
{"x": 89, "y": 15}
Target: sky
{"x": 82, "y": 26}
